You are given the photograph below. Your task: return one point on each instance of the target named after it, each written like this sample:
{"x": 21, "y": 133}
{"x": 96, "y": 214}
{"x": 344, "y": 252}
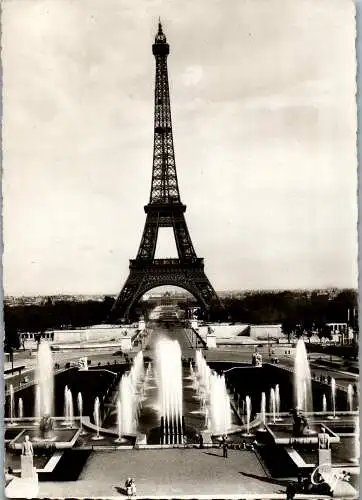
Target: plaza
{"x": 182, "y": 468}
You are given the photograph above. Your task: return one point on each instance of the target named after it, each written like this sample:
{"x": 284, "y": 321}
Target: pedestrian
{"x": 224, "y": 445}
{"x": 130, "y": 487}
{"x": 291, "y": 491}
{"x": 225, "y": 449}
{"x": 201, "y": 441}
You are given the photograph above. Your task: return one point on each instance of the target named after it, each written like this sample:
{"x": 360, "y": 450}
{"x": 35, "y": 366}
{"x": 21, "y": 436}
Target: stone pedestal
{"x": 28, "y": 471}
{"x": 211, "y": 341}
{"x": 126, "y": 343}
{"x": 325, "y": 459}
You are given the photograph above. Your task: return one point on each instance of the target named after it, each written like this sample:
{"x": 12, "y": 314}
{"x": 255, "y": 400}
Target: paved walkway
{"x": 168, "y": 472}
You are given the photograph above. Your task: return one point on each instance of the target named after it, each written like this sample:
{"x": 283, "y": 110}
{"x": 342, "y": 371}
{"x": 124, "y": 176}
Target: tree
{"x": 324, "y": 331}
{"x": 289, "y": 328}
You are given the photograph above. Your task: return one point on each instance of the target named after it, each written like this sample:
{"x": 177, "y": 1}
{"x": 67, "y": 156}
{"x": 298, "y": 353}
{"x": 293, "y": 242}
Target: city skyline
{"x": 264, "y": 122}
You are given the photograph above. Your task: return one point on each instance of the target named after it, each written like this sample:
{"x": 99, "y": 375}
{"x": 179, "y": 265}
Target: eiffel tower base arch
{"x": 143, "y": 277}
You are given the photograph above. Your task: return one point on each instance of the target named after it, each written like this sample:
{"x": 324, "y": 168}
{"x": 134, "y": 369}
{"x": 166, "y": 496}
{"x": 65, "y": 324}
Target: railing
{"x": 290, "y": 369}
{"x": 192, "y": 262}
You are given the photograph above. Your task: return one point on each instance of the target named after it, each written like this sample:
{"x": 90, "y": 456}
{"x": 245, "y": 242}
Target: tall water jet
{"x": 127, "y": 402}
{"x": 220, "y": 408}
{"x": 137, "y": 369}
{"x": 169, "y": 381}
{"x": 272, "y": 404}
{"x": 20, "y": 408}
{"x": 68, "y": 407}
{"x": 350, "y": 397}
{"x": 45, "y": 379}
{"x": 302, "y": 379}
{"x": 203, "y": 372}
{"x": 263, "y": 408}
{"x": 12, "y": 405}
{"x": 357, "y": 448}
{"x": 37, "y": 403}
{"x": 80, "y": 411}
{"x": 333, "y": 398}
{"x": 119, "y": 422}
{"x": 96, "y": 416}
{"x": 248, "y": 415}
{"x": 277, "y": 403}
{"x": 324, "y": 403}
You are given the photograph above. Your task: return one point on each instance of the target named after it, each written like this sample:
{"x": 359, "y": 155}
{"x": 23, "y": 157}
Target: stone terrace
{"x": 168, "y": 472}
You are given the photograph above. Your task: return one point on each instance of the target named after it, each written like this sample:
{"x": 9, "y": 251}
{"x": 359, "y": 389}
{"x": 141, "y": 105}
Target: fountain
{"x": 127, "y": 398}
{"x": 333, "y": 399}
{"x": 12, "y": 406}
{"x": 262, "y": 410}
{"x": 350, "y": 397}
{"x": 169, "y": 378}
{"x": 120, "y": 439}
{"x": 96, "y": 415}
{"x": 357, "y": 448}
{"x": 203, "y": 372}
{"x": 45, "y": 380}
{"x": 68, "y": 407}
{"x": 20, "y": 408}
{"x": 302, "y": 379}
{"x": 132, "y": 394}
{"x": 80, "y": 411}
{"x": 220, "y": 408}
{"x": 277, "y": 404}
{"x": 37, "y": 403}
{"x": 324, "y": 403}
{"x": 137, "y": 370}
{"x": 248, "y": 416}
{"x": 46, "y": 429}
{"x": 272, "y": 404}
{"x": 45, "y": 432}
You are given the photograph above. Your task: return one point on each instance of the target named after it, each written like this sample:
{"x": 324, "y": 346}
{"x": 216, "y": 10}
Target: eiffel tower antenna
{"x": 164, "y": 209}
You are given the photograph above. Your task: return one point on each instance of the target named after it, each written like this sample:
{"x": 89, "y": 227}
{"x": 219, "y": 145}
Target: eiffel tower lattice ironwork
{"x": 164, "y": 209}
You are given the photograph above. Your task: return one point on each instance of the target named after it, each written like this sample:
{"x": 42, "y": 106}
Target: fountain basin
{"x": 281, "y": 434}
{"x": 62, "y": 438}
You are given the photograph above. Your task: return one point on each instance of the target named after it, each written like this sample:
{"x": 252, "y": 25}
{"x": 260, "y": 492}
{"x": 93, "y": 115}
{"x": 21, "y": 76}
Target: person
{"x": 201, "y": 441}
{"x": 291, "y": 491}
{"x": 27, "y": 447}
{"x": 244, "y": 445}
{"x": 224, "y": 445}
{"x": 225, "y": 449}
{"x": 130, "y": 487}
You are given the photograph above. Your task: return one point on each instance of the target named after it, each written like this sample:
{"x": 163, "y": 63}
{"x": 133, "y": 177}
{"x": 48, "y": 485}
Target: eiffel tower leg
{"x": 130, "y": 290}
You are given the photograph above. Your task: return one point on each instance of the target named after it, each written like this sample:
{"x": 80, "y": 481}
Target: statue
{"x": 27, "y": 447}
{"x": 46, "y": 427}
{"x": 323, "y": 440}
{"x": 300, "y": 423}
{"x": 28, "y": 471}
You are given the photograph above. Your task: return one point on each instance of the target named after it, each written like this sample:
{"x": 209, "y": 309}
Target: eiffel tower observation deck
{"x": 164, "y": 209}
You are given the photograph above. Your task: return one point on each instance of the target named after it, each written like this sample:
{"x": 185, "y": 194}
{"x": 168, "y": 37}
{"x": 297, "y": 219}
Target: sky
{"x": 264, "y": 122}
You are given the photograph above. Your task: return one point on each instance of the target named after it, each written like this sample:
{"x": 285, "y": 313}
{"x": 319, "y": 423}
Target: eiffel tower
{"x": 164, "y": 209}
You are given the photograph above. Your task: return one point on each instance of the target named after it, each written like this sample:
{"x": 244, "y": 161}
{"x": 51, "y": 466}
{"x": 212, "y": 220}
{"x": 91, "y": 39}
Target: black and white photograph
{"x": 180, "y": 249}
